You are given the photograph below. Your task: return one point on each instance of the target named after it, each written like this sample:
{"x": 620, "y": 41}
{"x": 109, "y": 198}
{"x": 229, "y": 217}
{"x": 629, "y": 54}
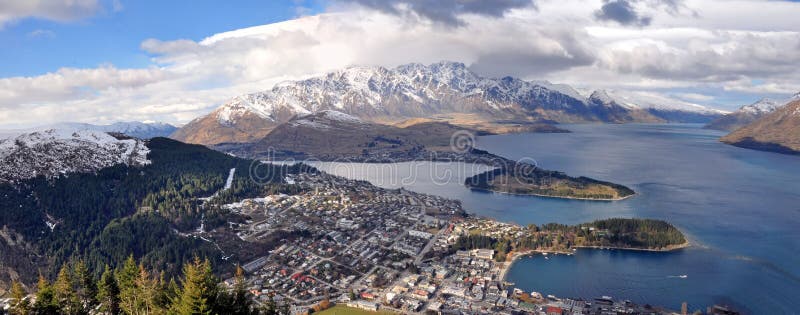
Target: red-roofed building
{"x": 552, "y": 310}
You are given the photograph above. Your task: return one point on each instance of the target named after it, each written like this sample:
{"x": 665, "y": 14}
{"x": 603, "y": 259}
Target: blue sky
{"x": 33, "y": 46}
{"x": 112, "y": 60}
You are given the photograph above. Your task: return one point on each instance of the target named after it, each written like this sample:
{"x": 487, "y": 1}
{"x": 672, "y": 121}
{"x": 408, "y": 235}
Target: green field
{"x": 342, "y": 310}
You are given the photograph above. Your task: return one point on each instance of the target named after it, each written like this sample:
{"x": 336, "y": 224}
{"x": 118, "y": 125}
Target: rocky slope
{"x": 778, "y": 131}
{"x": 55, "y": 152}
{"x": 415, "y": 90}
{"x": 748, "y": 114}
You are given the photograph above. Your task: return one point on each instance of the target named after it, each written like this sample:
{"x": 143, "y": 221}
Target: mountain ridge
{"x": 749, "y": 113}
{"x": 57, "y": 152}
{"x": 410, "y": 91}
{"x": 778, "y": 131}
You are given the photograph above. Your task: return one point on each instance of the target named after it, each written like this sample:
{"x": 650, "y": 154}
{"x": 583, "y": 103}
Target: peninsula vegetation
{"x": 523, "y": 179}
{"x": 634, "y": 234}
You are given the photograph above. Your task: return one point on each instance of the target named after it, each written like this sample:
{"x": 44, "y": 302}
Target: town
{"x": 393, "y": 250}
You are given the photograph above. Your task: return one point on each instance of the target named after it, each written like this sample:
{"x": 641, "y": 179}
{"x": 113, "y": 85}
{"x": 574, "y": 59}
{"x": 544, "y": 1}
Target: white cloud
{"x": 697, "y": 97}
{"x": 56, "y": 10}
{"x": 42, "y": 33}
{"x": 680, "y": 53}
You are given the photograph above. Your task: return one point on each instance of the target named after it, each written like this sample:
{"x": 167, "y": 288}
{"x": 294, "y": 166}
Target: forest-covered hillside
{"x": 101, "y": 218}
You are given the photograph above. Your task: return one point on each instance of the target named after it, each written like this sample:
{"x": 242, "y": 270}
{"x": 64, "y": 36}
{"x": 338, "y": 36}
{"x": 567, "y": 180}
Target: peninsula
{"x": 523, "y": 179}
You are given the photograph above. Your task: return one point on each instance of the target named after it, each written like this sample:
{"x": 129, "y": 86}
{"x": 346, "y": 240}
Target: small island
{"x": 528, "y": 180}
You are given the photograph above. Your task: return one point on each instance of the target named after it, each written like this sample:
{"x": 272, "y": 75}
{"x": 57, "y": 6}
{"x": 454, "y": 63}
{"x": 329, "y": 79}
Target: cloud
{"x": 447, "y": 12}
{"x": 42, "y": 33}
{"x": 562, "y": 41}
{"x": 697, "y": 97}
{"x": 724, "y": 56}
{"x": 622, "y": 12}
{"x": 55, "y": 10}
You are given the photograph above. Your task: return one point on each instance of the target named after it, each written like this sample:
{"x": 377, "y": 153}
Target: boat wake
{"x": 680, "y": 276}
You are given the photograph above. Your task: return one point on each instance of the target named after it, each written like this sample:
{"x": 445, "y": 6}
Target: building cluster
{"x": 381, "y": 249}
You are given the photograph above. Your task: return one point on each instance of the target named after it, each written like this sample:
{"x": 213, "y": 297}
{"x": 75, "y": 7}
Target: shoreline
{"x": 550, "y": 196}
{"x": 515, "y": 256}
{"x": 664, "y": 250}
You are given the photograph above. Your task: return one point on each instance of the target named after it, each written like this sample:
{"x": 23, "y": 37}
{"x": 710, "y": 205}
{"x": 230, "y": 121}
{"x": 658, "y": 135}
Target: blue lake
{"x": 740, "y": 209}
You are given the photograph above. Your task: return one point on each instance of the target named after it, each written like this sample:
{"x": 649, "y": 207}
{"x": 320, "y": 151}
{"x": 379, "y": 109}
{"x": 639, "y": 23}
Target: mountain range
{"x": 441, "y": 89}
{"x": 749, "y": 113}
{"x": 136, "y": 129}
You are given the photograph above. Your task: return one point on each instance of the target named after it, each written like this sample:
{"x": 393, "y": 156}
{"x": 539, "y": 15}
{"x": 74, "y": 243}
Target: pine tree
{"x": 20, "y": 304}
{"x": 193, "y": 297}
{"x": 147, "y": 293}
{"x": 65, "y": 292}
{"x": 86, "y": 287}
{"x": 108, "y": 293}
{"x": 126, "y": 278}
{"x": 45, "y": 299}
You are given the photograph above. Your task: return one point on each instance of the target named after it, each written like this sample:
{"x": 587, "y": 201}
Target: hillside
{"x": 143, "y": 210}
{"x": 331, "y": 135}
{"x": 748, "y": 114}
{"x": 418, "y": 91}
{"x": 777, "y": 132}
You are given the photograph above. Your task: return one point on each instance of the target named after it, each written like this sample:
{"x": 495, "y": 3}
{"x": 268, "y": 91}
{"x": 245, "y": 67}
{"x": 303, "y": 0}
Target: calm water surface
{"x": 740, "y": 208}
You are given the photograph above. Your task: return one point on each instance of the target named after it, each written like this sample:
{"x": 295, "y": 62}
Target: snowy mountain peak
{"x": 601, "y": 97}
{"x": 764, "y": 105}
{"x": 54, "y": 152}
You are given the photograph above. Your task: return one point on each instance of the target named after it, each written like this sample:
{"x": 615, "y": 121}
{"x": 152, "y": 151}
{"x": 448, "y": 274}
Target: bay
{"x": 740, "y": 209}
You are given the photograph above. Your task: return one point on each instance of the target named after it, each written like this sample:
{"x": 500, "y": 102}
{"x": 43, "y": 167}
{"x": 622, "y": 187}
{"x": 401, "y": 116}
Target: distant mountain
{"x": 56, "y": 152}
{"x": 413, "y": 91}
{"x": 778, "y": 131}
{"x": 748, "y": 114}
{"x": 616, "y": 110}
{"x": 141, "y": 130}
{"x": 651, "y": 107}
{"x": 136, "y": 129}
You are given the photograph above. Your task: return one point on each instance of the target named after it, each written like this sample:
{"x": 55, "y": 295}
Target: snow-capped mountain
{"x": 662, "y": 108}
{"x": 136, "y": 129}
{"x": 54, "y": 152}
{"x": 778, "y": 131}
{"x": 407, "y": 91}
{"x": 749, "y": 113}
